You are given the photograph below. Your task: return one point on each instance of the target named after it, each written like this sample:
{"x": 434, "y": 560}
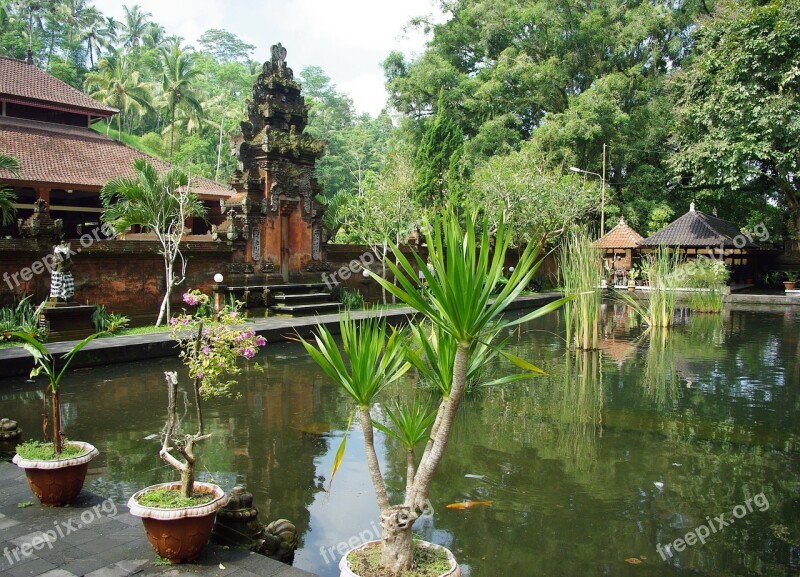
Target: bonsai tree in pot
{"x": 56, "y": 468}
{"x": 178, "y": 516}
{"x": 457, "y": 294}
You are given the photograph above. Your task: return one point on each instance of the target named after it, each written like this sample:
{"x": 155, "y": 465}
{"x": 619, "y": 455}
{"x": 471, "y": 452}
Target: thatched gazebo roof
{"x": 621, "y": 236}
{"x": 697, "y": 229}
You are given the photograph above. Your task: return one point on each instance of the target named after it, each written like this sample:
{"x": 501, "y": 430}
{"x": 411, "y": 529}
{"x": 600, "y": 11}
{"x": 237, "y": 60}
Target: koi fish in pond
{"x": 468, "y": 505}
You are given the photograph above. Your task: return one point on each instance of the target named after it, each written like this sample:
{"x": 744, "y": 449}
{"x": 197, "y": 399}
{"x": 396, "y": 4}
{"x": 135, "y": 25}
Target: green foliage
{"x": 106, "y": 322}
{"x": 581, "y": 266}
{"x": 162, "y": 498}
{"x": 351, "y": 298}
{"x": 7, "y": 196}
{"x": 537, "y": 202}
{"x": 659, "y": 269}
{"x": 410, "y": 422}
{"x": 39, "y": 451}
{"x": 437, "y": 158}
{"x": 738, "y": 103}
{"x": 149, "y": 199}
{"x": 44, "y": 362}
{"x": 22, "y": 317}
{"x": 370, "y": 360}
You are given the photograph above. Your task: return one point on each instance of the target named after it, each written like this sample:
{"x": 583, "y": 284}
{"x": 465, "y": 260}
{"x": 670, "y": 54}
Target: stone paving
{"x": 95, "y": 537}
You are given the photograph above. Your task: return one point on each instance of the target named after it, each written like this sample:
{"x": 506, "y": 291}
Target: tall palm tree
{"x": 116, "y": 84}
{"x": 7, "y": 196}
{"x": 161, "y": 203}
{"x": 134, "y": 26}
{"x": 177, "y": 77}
{"x": 97, "y": 32}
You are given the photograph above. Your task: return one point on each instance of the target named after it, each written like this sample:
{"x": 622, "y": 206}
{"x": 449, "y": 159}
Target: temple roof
{"x": 697, "y": 229}
{"x": 621, "y": 236}
{"x": 25, "y": 83}
{"x": 74, "y": 157}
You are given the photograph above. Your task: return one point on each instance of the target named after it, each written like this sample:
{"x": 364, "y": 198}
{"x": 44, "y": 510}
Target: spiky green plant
{"x": 581, "y": 267}
{"x": 457, "y": 296}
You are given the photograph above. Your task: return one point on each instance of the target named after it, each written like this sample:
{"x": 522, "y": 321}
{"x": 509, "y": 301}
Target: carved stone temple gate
{"x": 274, "y": 215}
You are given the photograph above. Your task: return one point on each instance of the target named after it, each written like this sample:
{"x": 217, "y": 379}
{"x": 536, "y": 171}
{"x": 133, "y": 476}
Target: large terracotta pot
{"x": 179, "y": 534}
{"x": 453, "y": 571}
{"x": 57, "y": 482}
{"x": 788, "y": 285}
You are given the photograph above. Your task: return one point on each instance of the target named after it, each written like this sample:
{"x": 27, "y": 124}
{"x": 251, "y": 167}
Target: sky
{"x": 348, "y": 39}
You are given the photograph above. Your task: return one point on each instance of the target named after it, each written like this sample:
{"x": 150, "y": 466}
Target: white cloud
{"x": 348, "y": 39}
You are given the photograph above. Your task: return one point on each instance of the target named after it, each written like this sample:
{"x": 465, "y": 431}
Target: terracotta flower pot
{"x": 57, "y": 482}
{"x": 788, "y": 285}
{"x": 179, "y": 534}
{"x": 453, "y": 571}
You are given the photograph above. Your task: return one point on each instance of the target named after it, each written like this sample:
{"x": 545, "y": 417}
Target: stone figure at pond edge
{"x": 62, "y": 283}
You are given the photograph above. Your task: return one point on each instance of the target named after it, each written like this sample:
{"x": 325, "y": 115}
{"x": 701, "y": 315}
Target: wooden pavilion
{"x": 619, "y": 247}
{"x": 697, "y": 233}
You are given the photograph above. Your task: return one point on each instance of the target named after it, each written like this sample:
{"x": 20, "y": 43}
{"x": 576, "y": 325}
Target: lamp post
{"x": 602, "y": 178}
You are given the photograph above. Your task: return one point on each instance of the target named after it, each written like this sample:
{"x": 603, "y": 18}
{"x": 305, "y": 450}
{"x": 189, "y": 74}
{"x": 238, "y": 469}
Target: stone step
{"x": 322, "y": 307}
{"x": 283, "y": 297}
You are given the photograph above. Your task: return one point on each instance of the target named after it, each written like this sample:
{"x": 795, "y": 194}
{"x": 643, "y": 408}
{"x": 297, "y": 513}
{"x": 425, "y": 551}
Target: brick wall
{"x": 127, "y": 276}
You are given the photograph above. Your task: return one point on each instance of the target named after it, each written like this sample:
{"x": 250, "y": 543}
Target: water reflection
{"x": 611, "y": 453}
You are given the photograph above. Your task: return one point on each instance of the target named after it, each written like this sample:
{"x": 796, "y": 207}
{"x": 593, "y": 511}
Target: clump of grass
{"x": 171, "y": 499}
{"x": 39, "y": 451}
{"x": 659, "y": 269}
{"x": 581, "y": 269}
{"x": 709, "y": 277}
{"x": 428, "y": 562}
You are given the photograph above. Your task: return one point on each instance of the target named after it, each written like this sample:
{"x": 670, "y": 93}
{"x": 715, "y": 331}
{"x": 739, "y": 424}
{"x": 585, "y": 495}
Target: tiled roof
{"x": 697, "y": 229}
{"x": 621, "y": 236}
{"x": 74, "y": 157}
{"x": 25, "y": 82}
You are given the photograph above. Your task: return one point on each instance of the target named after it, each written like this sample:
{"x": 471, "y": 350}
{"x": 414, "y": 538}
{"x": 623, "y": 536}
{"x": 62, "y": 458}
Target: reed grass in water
{"x": 581, "y": 270}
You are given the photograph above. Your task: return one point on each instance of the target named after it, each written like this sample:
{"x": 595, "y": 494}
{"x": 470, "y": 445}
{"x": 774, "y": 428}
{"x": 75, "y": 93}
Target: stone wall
{"x": 126, "y": 276}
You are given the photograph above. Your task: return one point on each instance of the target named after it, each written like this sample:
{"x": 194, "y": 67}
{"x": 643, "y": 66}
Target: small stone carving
{"x": 9, "y": 431}
{"x": 39, "y": 224}
{"x": 237, "y": 524}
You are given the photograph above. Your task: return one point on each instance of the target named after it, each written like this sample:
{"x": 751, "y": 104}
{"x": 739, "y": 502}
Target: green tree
{"x": 159, "y": 203}
{"x": 738, "y": 106}
{"x": 530, "y": 196}
{"x": 117, "y": 84}
{"x": 177, "y": 84}
{"x": 135, "y": 26}
{"x": 225, "y": 46}
{"x": 437, "y": 158}
{"x": 7, "y": 196}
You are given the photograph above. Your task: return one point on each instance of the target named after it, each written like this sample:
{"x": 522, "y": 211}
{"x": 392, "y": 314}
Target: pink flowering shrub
{"x": 211, "y": 348}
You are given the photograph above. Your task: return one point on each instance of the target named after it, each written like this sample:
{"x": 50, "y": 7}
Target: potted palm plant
{"x": 791, "y": 280}
{"x": 178, "y": 516}
{"x": 458, "y": 298}
{"x": 55, "y": 469}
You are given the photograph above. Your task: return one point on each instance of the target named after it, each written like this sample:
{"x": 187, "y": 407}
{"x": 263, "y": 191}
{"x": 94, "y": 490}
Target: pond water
{"x": 588, "y": 469}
